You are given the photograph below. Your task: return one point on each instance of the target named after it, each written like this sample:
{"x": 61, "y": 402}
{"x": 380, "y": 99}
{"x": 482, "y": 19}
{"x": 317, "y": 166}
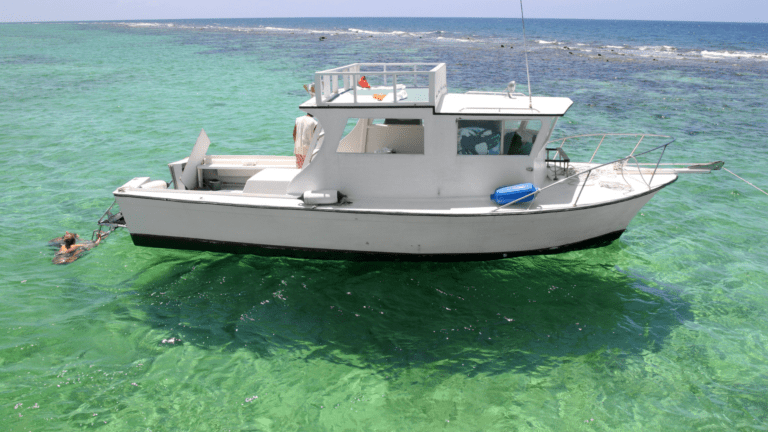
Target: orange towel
{"x": 379, "y": 96}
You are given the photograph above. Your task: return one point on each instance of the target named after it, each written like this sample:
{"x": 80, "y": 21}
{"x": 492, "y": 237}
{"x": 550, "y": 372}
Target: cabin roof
{"x": 412, "y": 85}
{"x": 478, "y": 104}
{"x": 501, "y": 104}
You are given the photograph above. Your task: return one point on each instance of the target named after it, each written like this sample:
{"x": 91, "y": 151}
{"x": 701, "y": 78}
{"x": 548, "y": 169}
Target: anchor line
{"x": 745, "y": 181}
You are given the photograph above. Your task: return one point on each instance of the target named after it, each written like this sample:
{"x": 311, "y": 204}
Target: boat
{"x": 400, "y": 168}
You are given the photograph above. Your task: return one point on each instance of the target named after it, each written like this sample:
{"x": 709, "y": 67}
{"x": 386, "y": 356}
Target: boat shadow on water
{"x": 520, "y": 314}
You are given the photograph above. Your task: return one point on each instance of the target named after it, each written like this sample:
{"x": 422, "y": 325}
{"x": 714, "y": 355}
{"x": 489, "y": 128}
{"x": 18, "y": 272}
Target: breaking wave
{"x": 734, "y": 55}
{"x": 606, "y": 50}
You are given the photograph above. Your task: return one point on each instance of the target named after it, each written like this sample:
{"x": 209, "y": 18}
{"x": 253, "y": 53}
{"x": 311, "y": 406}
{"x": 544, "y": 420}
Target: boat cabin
{"x": 416, "y": 140}
{"x": 392, "y": 130}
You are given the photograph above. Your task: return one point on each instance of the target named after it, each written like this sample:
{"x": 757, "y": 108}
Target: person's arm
{"x": 294, "y": 133}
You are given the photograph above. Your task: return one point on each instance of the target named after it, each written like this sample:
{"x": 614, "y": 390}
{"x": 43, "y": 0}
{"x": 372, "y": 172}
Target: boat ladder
{"x": 111, "y": 221}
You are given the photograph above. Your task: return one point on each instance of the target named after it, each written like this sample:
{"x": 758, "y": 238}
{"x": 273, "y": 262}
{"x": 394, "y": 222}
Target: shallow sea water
{"x": 665, "y": 329}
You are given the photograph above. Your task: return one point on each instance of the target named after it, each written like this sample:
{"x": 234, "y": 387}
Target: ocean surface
{"x": 665, "y": 329}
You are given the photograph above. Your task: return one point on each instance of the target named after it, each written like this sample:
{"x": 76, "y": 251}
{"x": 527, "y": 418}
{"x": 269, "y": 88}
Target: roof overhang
{"x": 502, "y": 105}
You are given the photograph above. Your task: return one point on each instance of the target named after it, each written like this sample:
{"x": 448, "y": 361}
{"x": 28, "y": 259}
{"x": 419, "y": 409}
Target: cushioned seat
{"x": 273, "y": 181}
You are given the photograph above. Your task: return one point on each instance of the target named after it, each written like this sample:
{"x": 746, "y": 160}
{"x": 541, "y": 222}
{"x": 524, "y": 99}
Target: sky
{"x": 103, "y": 10}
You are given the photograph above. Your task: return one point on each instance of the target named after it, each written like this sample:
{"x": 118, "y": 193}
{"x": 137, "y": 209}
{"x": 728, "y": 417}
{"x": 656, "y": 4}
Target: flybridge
{"x": 374, "y": 84}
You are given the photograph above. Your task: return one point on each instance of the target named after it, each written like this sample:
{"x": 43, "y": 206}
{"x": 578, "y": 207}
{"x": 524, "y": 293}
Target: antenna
{"x": 525, "y": 47}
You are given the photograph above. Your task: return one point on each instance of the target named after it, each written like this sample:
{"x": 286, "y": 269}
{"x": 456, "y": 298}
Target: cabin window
{"x": 382, "y": 136}
{"x": 497, "y": 137}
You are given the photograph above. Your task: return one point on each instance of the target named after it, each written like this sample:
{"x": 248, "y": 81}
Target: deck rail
{"x": 632, "y": 156}
{"x": 333, "y": 82}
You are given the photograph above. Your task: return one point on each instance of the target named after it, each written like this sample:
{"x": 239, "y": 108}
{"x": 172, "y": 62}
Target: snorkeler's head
{"x": 69, "y": 239}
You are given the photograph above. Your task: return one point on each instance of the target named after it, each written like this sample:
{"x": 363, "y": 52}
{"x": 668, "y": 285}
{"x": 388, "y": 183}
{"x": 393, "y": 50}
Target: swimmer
{"x": 70, "y": 250}
{"x": 58, "y": 241}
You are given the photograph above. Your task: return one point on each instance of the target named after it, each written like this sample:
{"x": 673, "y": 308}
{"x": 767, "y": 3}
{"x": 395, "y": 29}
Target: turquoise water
{"x": 665, "y": 329}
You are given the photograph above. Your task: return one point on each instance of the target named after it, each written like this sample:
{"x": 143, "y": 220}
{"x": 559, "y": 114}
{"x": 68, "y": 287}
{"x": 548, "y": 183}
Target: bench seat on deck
{"x": 237, "y": 173}
{"x": 272, "y": 181}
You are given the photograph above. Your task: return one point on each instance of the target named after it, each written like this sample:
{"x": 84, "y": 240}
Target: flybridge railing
{"x": 385, "y": 77}
{"x": 624, "y": 161}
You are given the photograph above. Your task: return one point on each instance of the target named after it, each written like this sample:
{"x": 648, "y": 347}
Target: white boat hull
{"x": 198, "y": 224}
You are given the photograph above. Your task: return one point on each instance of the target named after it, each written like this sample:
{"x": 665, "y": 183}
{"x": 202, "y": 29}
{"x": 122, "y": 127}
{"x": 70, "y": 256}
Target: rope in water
{"x": 745, "y": 181}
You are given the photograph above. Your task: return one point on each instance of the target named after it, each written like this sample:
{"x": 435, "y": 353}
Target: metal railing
{"x": 632, "y": 155}
{"x": 333, "y": 82}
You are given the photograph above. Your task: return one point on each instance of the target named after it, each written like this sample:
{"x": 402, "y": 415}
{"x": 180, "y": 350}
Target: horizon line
{"x": 376, "y": 17}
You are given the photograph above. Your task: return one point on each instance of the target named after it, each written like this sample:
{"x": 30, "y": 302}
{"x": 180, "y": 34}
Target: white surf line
{"x": 745, "y": 181}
